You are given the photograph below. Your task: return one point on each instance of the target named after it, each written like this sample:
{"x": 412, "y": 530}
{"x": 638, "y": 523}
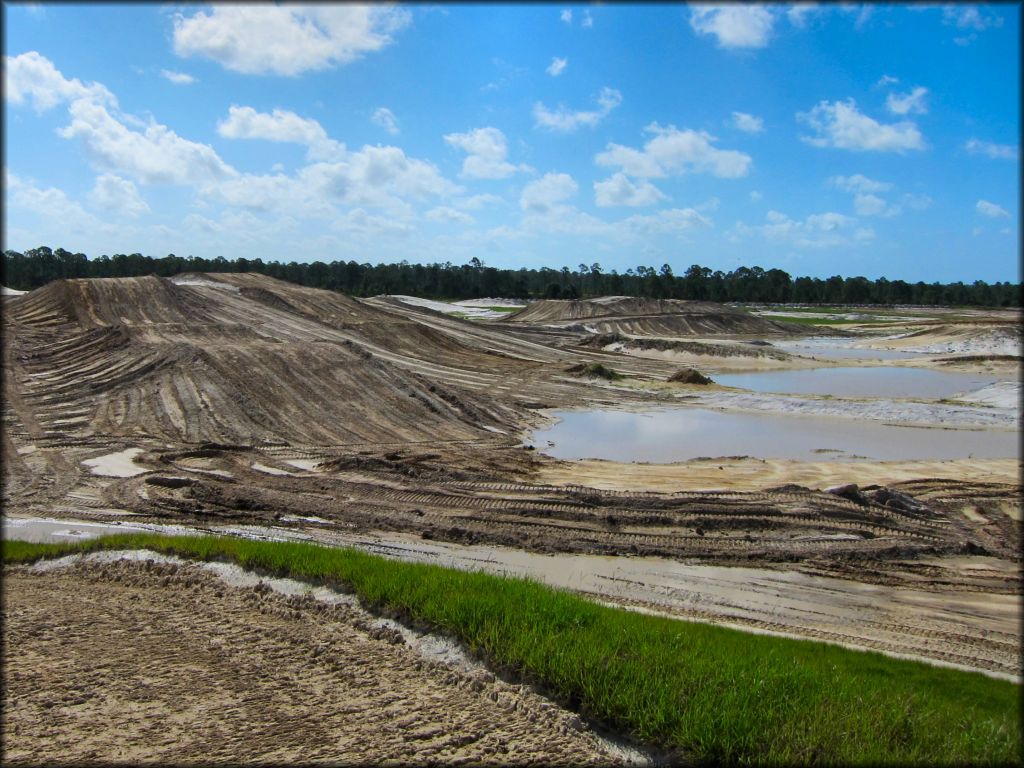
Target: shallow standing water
{"x": 678, "y": 434}
{"x": 873, "y": 381}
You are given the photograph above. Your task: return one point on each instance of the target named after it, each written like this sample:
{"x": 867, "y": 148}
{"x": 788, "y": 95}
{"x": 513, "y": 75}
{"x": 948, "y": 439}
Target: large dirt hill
{"x": 235, "y": 358}
{"x": 649, "y": 317}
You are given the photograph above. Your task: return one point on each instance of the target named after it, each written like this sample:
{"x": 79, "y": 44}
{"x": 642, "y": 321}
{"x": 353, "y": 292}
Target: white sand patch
{"x": 270, "y": 470}
{"x": 491, "y": 303}
{"x": 118, "y": 464}
{"x": 309, "y": 465}
{"x": 450, "y": 309}
{"x": 303, "y": 519}
{"x": 495, "y": 430}
{"x": 996, "y": 342}
{"x": 5, "y": 291}
{"x": 204, "y": 283}
{"x": 1002, "y": 394}
{"x": 218, "y": 472}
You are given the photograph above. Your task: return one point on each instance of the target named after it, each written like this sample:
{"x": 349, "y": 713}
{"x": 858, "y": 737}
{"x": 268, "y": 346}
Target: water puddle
{"x": 840, "y": 349}
{"x": 666, "y": 435}
{"x": 859, "y": 382}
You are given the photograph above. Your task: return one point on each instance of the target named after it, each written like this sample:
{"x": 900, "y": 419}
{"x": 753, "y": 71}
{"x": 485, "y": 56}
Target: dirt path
{"x": 132, "y": 661}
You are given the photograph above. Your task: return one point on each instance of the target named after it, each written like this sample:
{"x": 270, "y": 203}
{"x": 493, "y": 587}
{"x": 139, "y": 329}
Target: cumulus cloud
{"x": 970, "y": 17}
{"x": 547, "y": 192}
{"x": 178, "y": 78}
{"x": 671, "y": 221}
{"x": 563, "y": 120}
{"x": 820, "y": 230}
{"x": 557, "y": 66}
{"x": 447, "y": 215}
{"x": 886, "y": 80}
{"x": 985, "y": 208}
{"x": 286, "y": 39}
{"x": 858, "y": 183}
{"x": 566, "y": 16}
{"x": 32, "y": 77}
{"x": 619, "y": 190}
{"x": 873, "y": 205}
{"x": 734, "y": 26}
{"x": 747, "y": 123}
{"x": 988, "y": 149}
{"x": 52, "y": 205}
{"x": 279, "y": 125}
{"x": 155, "y": 155}
{"x": 588, "y": 20}
{"x": 112, "y": 193}
{"x": 385, "y": 118}
{"x": 487, "y": 150}
{"x": 673, "y": 152}
{"x": 841, "y": 125}
{"x": 910, "y": 103}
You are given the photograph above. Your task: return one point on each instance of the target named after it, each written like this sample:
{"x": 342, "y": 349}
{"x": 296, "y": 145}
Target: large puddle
{"x": 678, "y": 434}
{"x": 874, "y": 381}
{"x": 840, "y": 349}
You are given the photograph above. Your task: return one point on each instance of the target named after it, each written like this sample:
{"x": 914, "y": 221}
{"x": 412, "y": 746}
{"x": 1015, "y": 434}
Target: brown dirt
{"x": 130, "y": 662}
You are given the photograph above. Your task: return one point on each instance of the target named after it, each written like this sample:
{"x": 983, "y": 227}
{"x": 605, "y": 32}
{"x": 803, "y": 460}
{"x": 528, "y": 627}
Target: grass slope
{"x": 709, "y": 693}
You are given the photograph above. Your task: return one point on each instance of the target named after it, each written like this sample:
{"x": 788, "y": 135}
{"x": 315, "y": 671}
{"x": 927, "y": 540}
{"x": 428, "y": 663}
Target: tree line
{"x": 38, "y": 266}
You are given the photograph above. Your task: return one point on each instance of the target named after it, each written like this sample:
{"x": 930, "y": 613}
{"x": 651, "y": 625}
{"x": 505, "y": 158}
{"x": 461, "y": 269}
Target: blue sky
{"x": 879, "y": 140}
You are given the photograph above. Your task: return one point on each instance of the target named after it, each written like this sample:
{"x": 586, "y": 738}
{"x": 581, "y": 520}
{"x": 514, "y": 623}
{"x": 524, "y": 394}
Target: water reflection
{"x": 678, "y": 434}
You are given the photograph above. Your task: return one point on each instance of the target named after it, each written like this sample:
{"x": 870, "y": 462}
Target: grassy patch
{"x": 712, "y": 693}
{"x": 814, "y": 320}
{"x": 595, "y": 370}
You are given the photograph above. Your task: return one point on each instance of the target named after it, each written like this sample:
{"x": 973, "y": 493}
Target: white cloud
{"x": 735, "y": 26}
{"x": 858, "y": 183}
{"x": 32, "y": 76}
{"x": 619, "y": 190}
{"x": 747, "y": 123}
{"x": 52, "y": 205}
{"x": 821, "y": 230}
{"x": 487, "y": 150}
{"x": 476, "y": 202}
{"x": 917, "y": 202}
{"x": 280, "y": 125}
{"x": 385, "y": 118}
{"x": 671, "y": 221}
{"x": 912, "y": 102}
{"x": 156, "y": 155}
{"x": 969, "y": 17}
{"x": 178, "y": 78}
{"x": 839, "y": 124}
{"x": 112, "y": 193}
{"x": 566, "y": 16}
{"x": 988, "y": 149}
{"x": 286, "y": 39}
{"x": 673, "y": 152}
{"x": 985, "y": 208}
{"x": 800, "y": 12}
{"x": 448, "y": 215}
{"x": 873, "y": 205}
{"x": 564, "y": 121}
{"x": 755, "y": 195}
{"x": 557, "y": 66}
{"x": 588, "y": 20}
{"x": 886, "y": 80}
{"x": 547, "y": 192}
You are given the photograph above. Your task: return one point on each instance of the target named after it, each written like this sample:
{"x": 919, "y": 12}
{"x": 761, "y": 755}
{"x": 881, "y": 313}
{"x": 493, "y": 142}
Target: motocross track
{"x": 250, "y": 401}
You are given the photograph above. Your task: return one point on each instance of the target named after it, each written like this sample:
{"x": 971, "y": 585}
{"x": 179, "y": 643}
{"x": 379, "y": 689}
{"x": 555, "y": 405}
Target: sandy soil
{"x": 127, "y": 662}
{"x": 247, "y": 402}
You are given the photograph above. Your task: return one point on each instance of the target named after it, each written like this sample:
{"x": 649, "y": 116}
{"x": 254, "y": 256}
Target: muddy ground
{"x": 228, "y": 401}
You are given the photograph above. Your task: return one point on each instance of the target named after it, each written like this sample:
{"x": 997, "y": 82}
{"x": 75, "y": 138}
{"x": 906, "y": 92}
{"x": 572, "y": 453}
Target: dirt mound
{"x": 593, "y": 370}
{"x": 233, "y": 358}
{"x": 650, "y": 317}
{"x": 690, "y": 376}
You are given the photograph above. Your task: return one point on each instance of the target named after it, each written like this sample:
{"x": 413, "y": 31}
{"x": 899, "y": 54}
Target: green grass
{"x": 705, "y": 692}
